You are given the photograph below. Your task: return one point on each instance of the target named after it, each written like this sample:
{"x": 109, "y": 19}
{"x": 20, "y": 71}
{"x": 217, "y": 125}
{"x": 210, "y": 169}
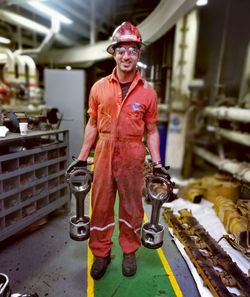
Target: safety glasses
{"x": 131, "y": 51}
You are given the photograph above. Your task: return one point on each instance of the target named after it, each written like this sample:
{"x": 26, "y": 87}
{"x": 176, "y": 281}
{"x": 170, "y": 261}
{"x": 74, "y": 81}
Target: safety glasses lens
{"x": 131, "y": 51}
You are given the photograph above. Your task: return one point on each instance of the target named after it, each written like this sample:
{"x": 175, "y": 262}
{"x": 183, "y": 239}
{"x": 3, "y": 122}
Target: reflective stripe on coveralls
{"x": 119, "y": 161}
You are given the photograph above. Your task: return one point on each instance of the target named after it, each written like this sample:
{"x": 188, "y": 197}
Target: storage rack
{"x": 32, "y": 181}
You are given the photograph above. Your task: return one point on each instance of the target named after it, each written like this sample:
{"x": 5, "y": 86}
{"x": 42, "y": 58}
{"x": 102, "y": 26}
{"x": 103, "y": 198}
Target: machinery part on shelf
{"x": 185, "y": 227}
{"x": 5, "y": 290}
{"x": 79, "y": 181}
{"x": 152, "y": 232}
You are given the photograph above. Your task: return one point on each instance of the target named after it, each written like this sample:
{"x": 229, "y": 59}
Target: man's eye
{"x": 120, "y": 50}
{"x": 132, "y": 51}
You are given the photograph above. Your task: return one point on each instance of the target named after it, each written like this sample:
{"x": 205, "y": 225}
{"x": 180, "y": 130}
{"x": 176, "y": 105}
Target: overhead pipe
{"x": 21, "y": 77}
{"x": 9, "y": 68}
{"x": 221, "y": 53}
{"x": 240, "y": 170}
{"x": 19, "y": 20}
{"x": 49, "y": 38}
{"x": 228, "y": 113}
{"x": 32, "y": 74}
{"x": 235, "y": 136}
{"x": 92, "y": 24}
{"x": 167, "y": 11}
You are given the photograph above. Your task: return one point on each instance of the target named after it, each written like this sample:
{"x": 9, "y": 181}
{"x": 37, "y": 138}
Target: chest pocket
{"x": 135, "y": 115}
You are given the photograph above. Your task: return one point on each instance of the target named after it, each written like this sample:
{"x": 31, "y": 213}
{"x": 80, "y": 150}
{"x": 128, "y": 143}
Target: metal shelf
{"x": 32, "y": 182}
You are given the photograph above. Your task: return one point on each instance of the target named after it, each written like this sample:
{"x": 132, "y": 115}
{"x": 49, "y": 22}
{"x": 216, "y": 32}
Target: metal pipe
{"x": 21, "y": 70}
{"x": 242, "y": 138}
{"x": 49, "y": 38}
{"x": 221, "y": 53}
{"x": 9, "y": 69}
{"x": 228, "y": 113}
{"x": 93, "y": 23}
{"x": 241, "y": 171}
{"x": 18, "y": 20}
{"x": 32, "y": 75}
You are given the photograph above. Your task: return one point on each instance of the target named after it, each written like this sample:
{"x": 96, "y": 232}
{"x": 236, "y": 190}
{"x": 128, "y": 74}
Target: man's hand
{"x": 161, "y": 170}
{"x": 76, "y": 164}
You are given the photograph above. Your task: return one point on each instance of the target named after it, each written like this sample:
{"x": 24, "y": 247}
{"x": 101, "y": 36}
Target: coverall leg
{"x": 118, "y": 165}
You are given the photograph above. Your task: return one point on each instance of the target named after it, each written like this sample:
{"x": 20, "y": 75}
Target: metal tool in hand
{"x": 152, "y": 232}
{"x": 79, "y": 180}
{"x": 5, "y": 290}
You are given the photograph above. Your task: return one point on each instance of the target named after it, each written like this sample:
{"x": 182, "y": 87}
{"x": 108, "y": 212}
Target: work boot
{"x": 99, "y": 267}
{"x": 129, "y": 264}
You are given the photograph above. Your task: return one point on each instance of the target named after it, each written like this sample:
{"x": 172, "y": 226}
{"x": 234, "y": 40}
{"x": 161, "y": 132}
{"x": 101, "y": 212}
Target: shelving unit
{"x": 32, "y": 182}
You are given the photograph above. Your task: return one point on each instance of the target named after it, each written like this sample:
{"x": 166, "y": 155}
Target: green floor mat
{"x": 150, "y": 280}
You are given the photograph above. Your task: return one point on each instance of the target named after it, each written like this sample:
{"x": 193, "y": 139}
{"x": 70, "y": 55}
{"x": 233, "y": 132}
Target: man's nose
{"x": 126, "y": 55}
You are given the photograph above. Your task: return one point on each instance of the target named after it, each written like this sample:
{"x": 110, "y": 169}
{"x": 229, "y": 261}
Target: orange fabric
{"x": 119, "y": 160}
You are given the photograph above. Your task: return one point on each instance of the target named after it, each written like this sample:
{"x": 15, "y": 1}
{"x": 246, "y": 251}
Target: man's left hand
{"x": 162, "y": 170}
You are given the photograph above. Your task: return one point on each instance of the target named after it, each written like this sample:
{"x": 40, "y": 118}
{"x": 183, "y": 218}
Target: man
{"x": 122, "y": 107}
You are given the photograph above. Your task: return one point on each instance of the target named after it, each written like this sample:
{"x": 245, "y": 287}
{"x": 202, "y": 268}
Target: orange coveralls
{"x": 119, "y": 160}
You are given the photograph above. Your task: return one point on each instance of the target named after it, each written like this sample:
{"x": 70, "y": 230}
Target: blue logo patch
{"x": 176, "y": 121}
{"x": 136, "y": 106}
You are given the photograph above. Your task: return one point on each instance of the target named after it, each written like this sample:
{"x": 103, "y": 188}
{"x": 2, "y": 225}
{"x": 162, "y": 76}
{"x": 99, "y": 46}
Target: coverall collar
{"x": 137, "y": 77}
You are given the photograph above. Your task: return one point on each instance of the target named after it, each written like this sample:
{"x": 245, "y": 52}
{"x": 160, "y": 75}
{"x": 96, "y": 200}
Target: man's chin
{"x": 127, "y": 69}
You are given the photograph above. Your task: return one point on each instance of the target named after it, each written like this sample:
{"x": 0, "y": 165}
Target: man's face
{"x": 126, "y": 56}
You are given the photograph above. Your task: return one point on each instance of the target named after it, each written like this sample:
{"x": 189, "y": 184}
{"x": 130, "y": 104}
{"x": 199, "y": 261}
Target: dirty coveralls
{"x": 119, "y": 160}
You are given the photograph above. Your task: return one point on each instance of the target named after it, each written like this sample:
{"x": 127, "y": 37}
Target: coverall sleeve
{"x": 150, "y": 116}
{"x": 93, "y": 103}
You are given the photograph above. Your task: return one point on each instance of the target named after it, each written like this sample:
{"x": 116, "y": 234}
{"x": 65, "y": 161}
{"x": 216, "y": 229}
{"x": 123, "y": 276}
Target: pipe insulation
{"x": 240, "y": 170}
{"x": 47, "y": 41}
{"x": 228, "y": 113}
{"x": 235, "y": 136}
{"x": 28, "y": 24}
{"x": 9, "y": 68}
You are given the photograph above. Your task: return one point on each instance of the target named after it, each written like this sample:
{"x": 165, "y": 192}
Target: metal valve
{"x": 79, "y": 181}
{"x": 152, "y": 232}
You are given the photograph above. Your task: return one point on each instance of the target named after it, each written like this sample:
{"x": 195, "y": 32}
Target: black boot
{"x": 129, "y": 266}
{"x": 99, "y": 267}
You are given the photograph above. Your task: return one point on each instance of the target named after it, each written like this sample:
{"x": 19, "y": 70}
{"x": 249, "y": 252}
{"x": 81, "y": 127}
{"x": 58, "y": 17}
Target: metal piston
{"x": 80, "y": 183}
{"x": 152, "y": 232}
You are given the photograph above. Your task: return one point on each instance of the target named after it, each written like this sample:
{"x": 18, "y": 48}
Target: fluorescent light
{"x": 201, "y": 2}
{"x": 4, "y": 40}
{"x": 49, "y": 11}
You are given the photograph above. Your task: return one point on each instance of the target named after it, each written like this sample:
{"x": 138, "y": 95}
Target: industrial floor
{"x": 47, "y": 262}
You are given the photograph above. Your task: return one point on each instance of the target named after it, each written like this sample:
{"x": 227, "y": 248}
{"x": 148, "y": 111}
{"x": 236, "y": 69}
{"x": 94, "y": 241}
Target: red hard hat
{"x": 126, "y": 32}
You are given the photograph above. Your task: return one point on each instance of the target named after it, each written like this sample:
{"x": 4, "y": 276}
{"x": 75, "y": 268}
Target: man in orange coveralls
{"x": 122, "y": 107}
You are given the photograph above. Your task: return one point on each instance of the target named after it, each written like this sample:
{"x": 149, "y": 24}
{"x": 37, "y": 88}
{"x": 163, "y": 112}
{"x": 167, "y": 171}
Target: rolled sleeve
{"x": 93, "y": 103}
{"x": 151, "y": 115}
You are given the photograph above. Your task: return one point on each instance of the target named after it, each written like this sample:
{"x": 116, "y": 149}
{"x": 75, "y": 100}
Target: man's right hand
{"x": 76, "y": 164}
